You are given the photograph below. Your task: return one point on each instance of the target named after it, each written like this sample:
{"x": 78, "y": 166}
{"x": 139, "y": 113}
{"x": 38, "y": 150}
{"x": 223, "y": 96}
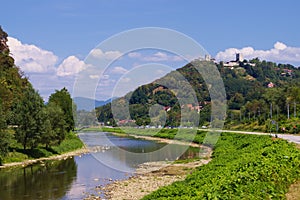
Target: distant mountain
{"x": 88, "y": 104}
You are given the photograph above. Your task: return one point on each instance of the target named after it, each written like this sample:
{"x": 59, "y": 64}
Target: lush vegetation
{"x": 25, "y": 119}
{"x": 260, "y": 95}
{"x": 17, "y": 154}
{"x": 243, "y": 167}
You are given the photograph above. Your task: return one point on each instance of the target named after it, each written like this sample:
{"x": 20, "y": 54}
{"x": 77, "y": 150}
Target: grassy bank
{"x": 18, "y": 154}
{"x": 243, "y": 167}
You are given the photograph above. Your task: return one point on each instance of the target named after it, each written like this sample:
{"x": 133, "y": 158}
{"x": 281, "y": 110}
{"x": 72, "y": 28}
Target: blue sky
{"x": 64, "y": 28}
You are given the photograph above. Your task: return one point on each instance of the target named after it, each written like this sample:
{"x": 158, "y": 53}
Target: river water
{"x": 114, "y": 158}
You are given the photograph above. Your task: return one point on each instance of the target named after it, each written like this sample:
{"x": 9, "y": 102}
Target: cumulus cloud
{"x": 31, "y": 58}
{"x": 280, "y": 46}
{"x": 108, "y": 55}
{"x": 279, "y": 53}
{"x": 70, "y": 66}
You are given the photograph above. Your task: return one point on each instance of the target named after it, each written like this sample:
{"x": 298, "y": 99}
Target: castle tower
{"x": 207, "y": 57}
{"x": 239, "y": 57}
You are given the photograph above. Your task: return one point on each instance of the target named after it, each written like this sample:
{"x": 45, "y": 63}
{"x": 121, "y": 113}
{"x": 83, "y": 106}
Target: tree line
{"x": 24, "y": 116}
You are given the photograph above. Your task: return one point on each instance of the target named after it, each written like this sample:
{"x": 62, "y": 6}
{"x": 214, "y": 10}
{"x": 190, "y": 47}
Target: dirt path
{"x": 289, "y": 137}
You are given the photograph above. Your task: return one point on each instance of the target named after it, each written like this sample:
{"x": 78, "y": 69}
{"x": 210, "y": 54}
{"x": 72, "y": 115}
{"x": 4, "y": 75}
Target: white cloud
{"x": 125, "y": 80}
{"x": 108, "y": 55}
{"x": 31, "y": 58}
{"x": 119, "y": 70}
{"x": 94, "y": 76}
{"x": 279, "y": 53}
{"x": 160, "y": 56}
{"x": 106, "y": 83}
{"x": 70, "y": 66}
{"x": 177, "y": 58}
{"x": 134, "y": 55}
{"x": 280, "y": 46}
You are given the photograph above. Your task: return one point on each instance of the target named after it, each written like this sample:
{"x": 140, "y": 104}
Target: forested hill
{"x": 25, "y": 120}
{"x": 257, "y": 92}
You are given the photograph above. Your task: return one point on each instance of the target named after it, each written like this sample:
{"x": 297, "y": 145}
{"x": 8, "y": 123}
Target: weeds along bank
{"x": 243, "y": 167}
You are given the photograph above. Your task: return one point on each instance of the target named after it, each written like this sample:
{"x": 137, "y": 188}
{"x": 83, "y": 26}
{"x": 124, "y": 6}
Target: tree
{"x": 54, "y": 126}
{"x": 236, "y": 101}
{"x": 63, "y": 99}
{"x": 29, "y": 119}
{"x": 4, "y": 135}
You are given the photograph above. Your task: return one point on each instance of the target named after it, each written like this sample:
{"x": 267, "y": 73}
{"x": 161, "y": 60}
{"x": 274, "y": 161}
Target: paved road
{"x": 288, "y": 137}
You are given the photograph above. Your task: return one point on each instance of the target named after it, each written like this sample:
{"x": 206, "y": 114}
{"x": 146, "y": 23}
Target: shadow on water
{"x": 50, "y": 180}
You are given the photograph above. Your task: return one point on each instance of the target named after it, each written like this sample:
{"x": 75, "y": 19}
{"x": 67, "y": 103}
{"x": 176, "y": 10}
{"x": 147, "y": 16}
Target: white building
{"x": 207, "y": 57}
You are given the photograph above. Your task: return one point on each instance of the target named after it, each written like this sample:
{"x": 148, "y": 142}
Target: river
{"x": 114, "y": 158}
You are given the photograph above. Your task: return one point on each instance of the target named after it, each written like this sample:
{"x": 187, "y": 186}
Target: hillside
{"x": 259, "y": 95}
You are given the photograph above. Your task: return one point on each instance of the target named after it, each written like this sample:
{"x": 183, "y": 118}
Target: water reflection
{"x": 50, "y": 180}
{"x": 125, "y": 153}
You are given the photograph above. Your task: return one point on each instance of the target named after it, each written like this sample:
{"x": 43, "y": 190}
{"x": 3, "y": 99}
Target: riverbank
{"x": 66, "y": 155}
{"x": 151, "y": 176}
{"x": 71, "y": 146}
{"x": 164, "y": 140}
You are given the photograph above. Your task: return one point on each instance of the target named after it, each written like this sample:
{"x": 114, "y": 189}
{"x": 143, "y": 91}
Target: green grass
{"x": 17, "y": 154}
{"x": 90, "y": 129}
{"x": 71, "y": 143}
{"x": 243, "y": 167}
{"x": 15, "y": 157}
